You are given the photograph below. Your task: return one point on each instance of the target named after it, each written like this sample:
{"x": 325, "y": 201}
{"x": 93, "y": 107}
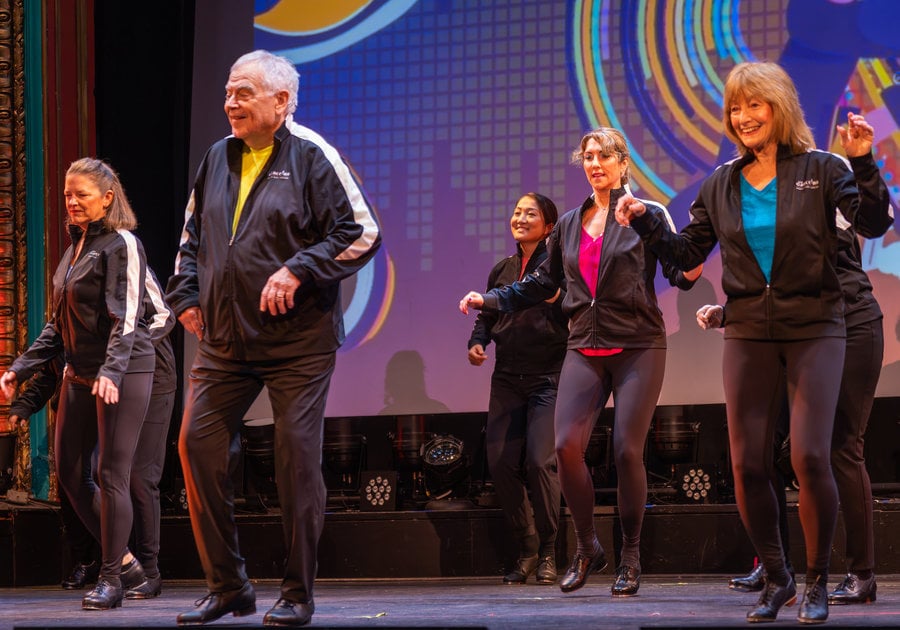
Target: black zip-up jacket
{"x": 160, "y": 321}
{"x": 97, "y": 321}
{"x": 43, "y": 387}
{"x": 860, "y": 306}
{"x": 530, "y": 341}
{"x": 804, "y": 298}
{"x": 305, "y": 211}
{"x": 625, "y": 313}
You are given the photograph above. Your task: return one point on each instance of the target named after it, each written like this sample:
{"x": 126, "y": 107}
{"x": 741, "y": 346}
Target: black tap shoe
{"x": 628, "y": 581}
{"x": 286, "y": 613}
{"x": 104, "y": 596}
{"x": 132, "y": 575}
{"x": 524, "y": 568}
{"x": 750, "y": 583}
{"x": 854, "y": 590}
{"x": 546, "y": 571}
{"x": 239, "y": 602}
{"x": 148, "y": 589}
{"x": 581, "y": 566}
{"x": 81, "y": 576}
{"x": 814, "y": 608}
{"x": 772, "y": 598}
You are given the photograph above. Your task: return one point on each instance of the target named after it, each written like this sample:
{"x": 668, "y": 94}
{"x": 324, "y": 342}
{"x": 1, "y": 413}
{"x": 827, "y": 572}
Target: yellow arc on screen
{"x": 306, "y": 16}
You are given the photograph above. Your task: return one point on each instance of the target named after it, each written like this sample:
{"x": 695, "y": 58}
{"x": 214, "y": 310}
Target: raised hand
{"x": 857, "y": 136}
{"x": 627, "y": 208}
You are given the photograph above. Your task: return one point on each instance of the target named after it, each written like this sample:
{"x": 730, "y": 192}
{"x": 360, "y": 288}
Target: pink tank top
{"x": 589, "y": 266}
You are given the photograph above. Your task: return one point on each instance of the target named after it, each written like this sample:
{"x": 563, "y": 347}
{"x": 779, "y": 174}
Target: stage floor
{"x": 663, "y": 602}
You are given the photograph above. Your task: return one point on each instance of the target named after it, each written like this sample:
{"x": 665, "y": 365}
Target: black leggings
{"x": 862, "y": 366}
{"x": 634, "y": 378}
{"x": 85, "y": 422}
{"x": 146, "y": 471}
{"x": 753, "y": 373}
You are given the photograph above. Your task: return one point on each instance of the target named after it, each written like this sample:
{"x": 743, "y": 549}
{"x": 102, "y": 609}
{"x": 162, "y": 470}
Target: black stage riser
{"x": 689, "y": 539}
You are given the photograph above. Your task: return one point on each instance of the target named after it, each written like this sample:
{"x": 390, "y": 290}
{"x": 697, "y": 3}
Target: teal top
{"x": 758, "y": 213}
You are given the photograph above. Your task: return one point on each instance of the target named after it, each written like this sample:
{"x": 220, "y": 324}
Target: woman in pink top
{"x": 616, "y": 346}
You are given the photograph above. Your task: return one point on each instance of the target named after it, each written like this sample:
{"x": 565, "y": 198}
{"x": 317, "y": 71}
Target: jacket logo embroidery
{"x": 807, "y": 184}
{"x": 279, "y": 175}
{"x": 93, "y": 254}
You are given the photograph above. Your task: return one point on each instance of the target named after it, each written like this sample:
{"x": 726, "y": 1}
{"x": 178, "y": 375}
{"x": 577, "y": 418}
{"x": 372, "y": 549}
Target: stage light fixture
{"x": 407, "y": 441}
{"x": 378, "y": 491}
{"x": 675, "y": 439}
{"x": 446, "y": 465}
{"x": 694, "y": 484}
{"x": 344, "y": 456}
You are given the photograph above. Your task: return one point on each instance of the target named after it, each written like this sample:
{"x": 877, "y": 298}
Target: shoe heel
{"x": 791, "y": 601}
{"x": 244, "y": 612}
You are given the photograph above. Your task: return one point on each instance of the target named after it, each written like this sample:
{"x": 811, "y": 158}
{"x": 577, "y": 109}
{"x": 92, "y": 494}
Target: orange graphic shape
{"x": 308, "y": 16}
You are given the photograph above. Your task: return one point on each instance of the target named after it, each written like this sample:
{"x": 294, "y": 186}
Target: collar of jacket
{"x": 93, "y": 229}
{"x": 539, "y": 248}
{"x": 784, "y": 152}
{"x": 614, "y": 195}
{"x": 236, "y": 145}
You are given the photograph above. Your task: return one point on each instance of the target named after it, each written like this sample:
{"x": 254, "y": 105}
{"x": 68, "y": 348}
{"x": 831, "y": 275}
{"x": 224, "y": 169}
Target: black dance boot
{"x": 814, "y": 608}
{"x": 854, "y": 590}
{"x": 772, "y": 598}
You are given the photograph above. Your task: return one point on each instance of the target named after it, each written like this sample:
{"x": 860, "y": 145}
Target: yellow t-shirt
{"x": 252, "y": 163}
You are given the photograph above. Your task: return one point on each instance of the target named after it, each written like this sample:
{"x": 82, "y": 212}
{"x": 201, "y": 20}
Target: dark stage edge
{"x": 434, "y": 544}
{"x": 663, "y": 602}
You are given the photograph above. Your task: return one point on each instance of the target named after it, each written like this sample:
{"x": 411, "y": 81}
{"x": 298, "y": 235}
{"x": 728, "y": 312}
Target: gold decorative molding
{"x": 13, "y": 276}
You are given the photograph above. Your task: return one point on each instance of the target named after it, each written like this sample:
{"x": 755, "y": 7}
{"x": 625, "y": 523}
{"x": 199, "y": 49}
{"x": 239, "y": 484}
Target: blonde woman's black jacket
{"x": 97, "y": 321}
{"x": 530, "y": 341}
{"x": 43, "y": 386}
{"x": 305, "y": 211}
{"x": 804, "y": 298}
{"x": 625, "y": 312}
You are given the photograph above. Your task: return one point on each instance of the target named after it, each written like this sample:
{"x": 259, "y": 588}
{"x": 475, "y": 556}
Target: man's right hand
{"x": 192, "y": 320}
{"x": 477, "y": 355}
